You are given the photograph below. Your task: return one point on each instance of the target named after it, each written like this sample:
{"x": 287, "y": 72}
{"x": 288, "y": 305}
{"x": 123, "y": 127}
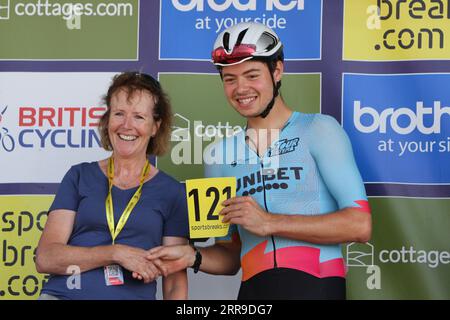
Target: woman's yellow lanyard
{"x": 131, "y": 204}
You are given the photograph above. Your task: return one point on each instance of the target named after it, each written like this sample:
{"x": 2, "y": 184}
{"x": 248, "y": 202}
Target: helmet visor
{"x": 240, "y": 53}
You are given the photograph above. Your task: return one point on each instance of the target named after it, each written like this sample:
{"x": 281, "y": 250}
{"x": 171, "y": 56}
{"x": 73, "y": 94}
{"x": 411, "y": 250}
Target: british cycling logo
{"x": 51, "y": 127}
{"x": 7, "y": 141}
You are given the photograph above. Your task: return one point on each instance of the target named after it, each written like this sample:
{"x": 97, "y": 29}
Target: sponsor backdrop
{"x": 380, "y": 67}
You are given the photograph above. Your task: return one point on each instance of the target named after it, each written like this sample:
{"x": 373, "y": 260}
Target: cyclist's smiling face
{"x": 248, "y": 86}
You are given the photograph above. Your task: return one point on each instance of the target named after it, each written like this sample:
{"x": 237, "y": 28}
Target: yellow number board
{"x": 204, "y": 198}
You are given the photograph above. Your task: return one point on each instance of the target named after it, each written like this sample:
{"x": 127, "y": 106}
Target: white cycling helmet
{"x": 245, "y": 41}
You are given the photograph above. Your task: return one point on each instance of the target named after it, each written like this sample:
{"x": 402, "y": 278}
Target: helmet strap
{"x": 276, "y": 91}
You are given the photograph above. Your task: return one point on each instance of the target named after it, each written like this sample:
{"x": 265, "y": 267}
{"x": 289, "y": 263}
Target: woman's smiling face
{"x": 131, "y": 123}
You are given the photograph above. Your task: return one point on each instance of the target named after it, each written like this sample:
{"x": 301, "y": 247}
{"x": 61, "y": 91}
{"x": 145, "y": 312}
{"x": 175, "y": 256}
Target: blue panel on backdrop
{"x": 399, "y": 126}
{"x": 189, "y": 27}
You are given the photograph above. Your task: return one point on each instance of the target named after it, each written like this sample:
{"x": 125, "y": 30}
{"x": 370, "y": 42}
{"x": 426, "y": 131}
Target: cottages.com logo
{"x": 363, "y": 255}
{"x": 190, "y": 137}
{"x": 67, "y": 11}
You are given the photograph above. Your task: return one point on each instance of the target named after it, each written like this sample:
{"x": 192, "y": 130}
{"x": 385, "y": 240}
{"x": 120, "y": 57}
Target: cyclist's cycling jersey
{"x": 308, "y": 170}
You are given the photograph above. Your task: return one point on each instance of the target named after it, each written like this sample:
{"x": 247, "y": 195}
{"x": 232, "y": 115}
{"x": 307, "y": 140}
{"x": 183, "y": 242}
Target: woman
{"x": 107, "y": 214}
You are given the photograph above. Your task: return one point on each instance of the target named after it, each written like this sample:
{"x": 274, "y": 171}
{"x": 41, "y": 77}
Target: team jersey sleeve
{"x": 332, "y": 151}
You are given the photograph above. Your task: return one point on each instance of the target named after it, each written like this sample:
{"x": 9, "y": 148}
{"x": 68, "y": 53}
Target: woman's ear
{"x": 156, "y": 127}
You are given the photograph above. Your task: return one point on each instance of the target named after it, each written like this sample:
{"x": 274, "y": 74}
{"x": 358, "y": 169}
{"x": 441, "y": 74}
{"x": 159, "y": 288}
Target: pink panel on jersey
{"x": 306, "y": 259}
{"x": 363, "y": 206}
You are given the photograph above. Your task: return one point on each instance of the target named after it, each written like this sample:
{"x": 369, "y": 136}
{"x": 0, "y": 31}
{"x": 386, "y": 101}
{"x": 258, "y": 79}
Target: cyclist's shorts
{"x": 290, "y": 284}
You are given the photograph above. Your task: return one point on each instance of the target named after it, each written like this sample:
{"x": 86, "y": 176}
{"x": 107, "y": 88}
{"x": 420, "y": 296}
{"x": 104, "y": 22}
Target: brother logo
{"x": 375, "y": 121}
{"x": 248, "y": 5}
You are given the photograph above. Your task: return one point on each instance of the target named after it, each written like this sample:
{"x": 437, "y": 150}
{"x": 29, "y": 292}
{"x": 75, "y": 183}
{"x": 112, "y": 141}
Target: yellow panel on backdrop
{"x": 387, "y": 30}
{"x": 22, "y": 219}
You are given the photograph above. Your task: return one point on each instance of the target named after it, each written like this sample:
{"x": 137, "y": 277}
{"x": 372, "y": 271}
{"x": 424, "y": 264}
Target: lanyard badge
{"x": 113, "y": 273}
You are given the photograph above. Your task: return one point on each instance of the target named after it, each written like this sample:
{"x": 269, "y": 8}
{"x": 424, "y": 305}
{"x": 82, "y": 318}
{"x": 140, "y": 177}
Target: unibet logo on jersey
{"x": 396, "y": 132}
{"x": 189, "y": 28}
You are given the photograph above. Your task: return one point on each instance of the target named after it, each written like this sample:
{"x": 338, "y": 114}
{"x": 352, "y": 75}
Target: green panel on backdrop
{"x": 198, "y": 102}
{"x": 301, "y": 92}
{"x": 411, "y": 246}
{"x": 106, "y": 30}
{"x": 200, "y": 107}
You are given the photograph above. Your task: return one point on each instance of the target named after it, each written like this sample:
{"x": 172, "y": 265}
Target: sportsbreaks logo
{"x": 196, "y": 23}
{"x": 54, "y": 127}
{"x": 395, "y": 30}
{"x": 409, "y": 129}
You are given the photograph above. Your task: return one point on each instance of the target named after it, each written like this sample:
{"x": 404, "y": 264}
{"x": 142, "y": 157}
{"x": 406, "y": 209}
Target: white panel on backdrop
{"x": 48, "y": 122}
{"x": 204, "y": 286}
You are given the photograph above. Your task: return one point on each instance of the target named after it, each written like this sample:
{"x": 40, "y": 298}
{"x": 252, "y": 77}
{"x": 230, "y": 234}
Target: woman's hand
{"x": 171, "y": 259}
{"x": 134, "y": 260}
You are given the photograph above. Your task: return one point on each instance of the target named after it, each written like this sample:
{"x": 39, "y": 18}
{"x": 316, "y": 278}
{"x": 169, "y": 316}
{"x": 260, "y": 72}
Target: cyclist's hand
{"x": 246, "y": 212}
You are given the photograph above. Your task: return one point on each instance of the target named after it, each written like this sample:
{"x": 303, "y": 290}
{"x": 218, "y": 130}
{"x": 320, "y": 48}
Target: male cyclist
{"x": 300, "y": 192}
